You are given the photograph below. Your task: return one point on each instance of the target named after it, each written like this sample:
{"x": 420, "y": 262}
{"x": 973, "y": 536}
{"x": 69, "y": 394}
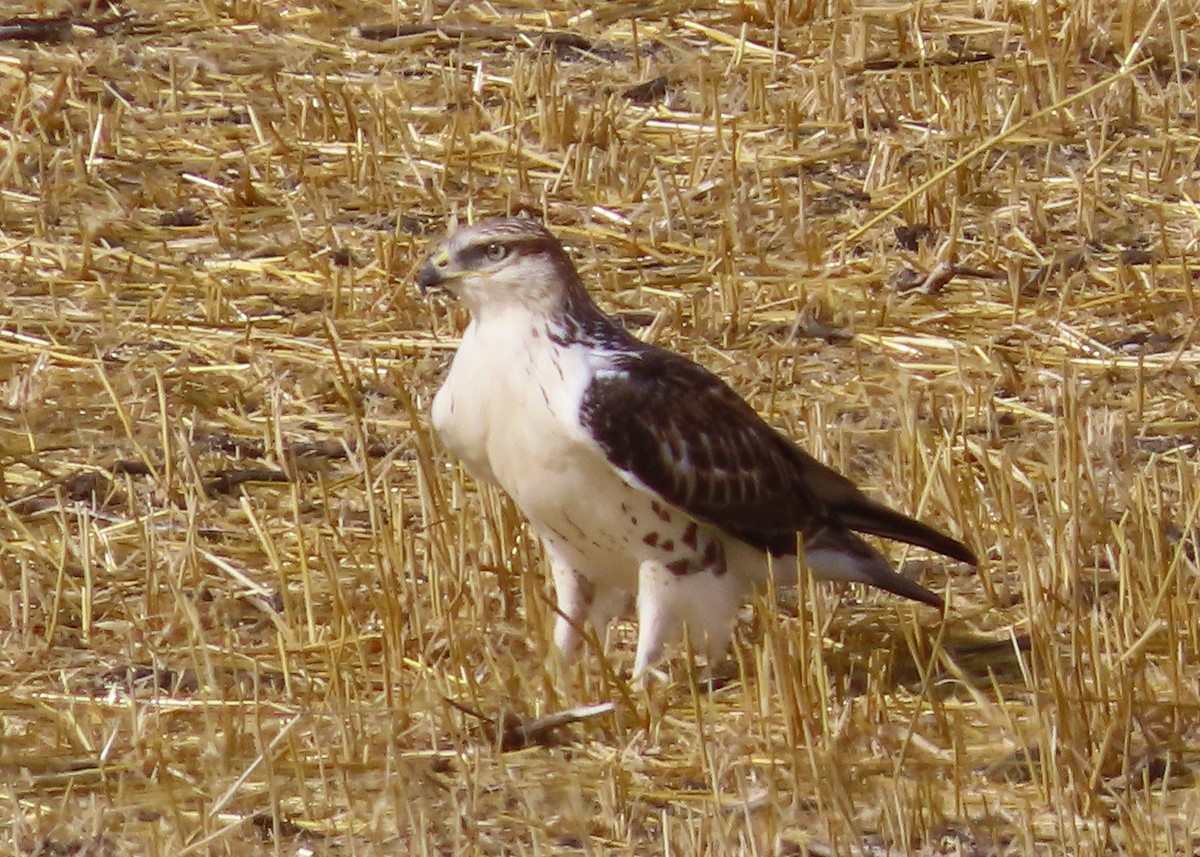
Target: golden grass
{"x": 248, "y": 605}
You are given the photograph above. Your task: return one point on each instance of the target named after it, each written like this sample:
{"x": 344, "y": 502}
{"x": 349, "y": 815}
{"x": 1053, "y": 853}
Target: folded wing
{"x": 677, "y": 429}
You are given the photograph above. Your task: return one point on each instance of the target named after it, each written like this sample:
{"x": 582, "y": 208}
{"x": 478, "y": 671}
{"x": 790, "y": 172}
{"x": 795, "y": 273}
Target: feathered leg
{"x": 580, "y": 600}
{"x": 704, "y": 602}
{"x": 574, "y": 595}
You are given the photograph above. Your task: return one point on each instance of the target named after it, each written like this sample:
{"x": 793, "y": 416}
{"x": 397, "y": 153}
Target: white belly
{"x": 509, "y": 410}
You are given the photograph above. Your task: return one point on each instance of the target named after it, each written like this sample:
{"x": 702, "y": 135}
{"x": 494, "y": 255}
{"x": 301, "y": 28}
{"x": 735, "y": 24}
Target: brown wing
{"x": 682, "y": 432}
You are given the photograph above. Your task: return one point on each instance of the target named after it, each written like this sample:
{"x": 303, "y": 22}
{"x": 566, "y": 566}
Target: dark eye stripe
{"x": 476, "y": 255}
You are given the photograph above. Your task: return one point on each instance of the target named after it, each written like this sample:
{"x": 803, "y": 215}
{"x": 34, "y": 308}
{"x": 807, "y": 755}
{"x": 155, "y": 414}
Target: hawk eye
{"x": 495, "y": 251}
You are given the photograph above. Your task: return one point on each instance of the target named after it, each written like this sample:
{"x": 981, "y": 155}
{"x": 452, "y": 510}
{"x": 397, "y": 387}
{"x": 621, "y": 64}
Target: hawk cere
{"x": 648, "y": 479}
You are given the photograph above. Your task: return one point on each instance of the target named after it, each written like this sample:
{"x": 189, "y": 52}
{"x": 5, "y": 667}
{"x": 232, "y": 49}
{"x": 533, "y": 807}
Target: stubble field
{"x": 248, "y": 605}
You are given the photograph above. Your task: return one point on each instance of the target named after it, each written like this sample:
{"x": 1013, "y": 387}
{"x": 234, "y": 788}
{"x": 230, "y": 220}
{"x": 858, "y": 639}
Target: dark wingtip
{"x": 868, "y": 516}
{"x": 947, "y": 546}
{"x": 968, "y": 556}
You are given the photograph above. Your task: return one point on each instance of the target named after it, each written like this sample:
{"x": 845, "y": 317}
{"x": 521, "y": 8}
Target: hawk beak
{"x": 435, "y": 273}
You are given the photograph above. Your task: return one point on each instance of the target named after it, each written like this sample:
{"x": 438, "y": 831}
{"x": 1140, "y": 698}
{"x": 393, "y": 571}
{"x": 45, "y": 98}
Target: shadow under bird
{"x": 649, "y": 480}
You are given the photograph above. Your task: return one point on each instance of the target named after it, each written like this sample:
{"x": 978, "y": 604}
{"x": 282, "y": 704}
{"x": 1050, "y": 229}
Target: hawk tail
{"x": 838, "y": 554}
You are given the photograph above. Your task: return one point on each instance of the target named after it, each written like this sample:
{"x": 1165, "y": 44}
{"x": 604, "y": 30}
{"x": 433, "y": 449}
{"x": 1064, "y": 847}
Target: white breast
{"x": 509, "y": 409}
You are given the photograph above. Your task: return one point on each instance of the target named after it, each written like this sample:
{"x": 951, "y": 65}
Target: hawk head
{"x": 503, "y": 263}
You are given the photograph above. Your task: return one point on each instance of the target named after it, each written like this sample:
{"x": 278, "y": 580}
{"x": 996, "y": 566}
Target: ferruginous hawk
{"x": 647, "y": 477}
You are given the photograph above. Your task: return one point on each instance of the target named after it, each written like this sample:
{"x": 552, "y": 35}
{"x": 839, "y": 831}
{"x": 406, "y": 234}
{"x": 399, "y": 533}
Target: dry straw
{"x": 247, "y": 604}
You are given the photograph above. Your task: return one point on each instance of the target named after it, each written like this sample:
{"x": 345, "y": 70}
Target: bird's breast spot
{"x": 587, "y": 589}
{"x": 663, "y": 514}
{"x": 713, "y": 558}
{"x": 683, "y": 548}
{"x": 680, "y": 567}
{"x": 710, "y": 559}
